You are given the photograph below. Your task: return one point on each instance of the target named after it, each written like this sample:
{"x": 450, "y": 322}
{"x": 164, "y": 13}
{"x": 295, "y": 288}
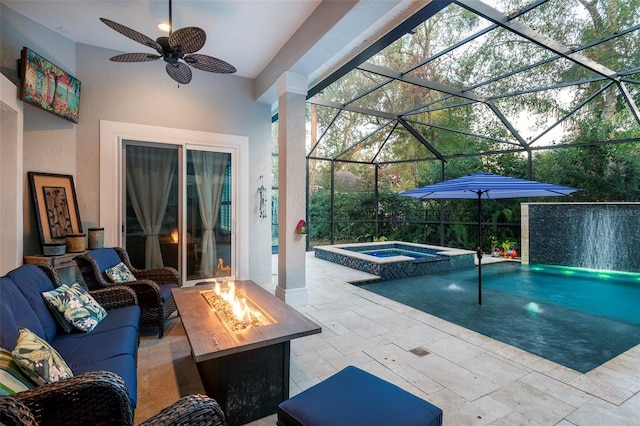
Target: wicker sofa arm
{"x": 15, "y": 413}
{"x": 193, "y": 410}
{"x": 165, "y": 275}
{"x": 94, "y": 398}
{"x": 115, "y": 297}
{"x": 147, "y": 292}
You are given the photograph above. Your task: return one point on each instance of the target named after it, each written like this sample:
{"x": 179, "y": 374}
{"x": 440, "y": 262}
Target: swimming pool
{"x": 578, "y": 319}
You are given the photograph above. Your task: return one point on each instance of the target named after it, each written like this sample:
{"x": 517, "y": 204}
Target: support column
{"x": 292, "y": 91}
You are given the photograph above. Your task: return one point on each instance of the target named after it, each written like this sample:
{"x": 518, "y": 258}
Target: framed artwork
{"x": 56, "y": 206}
{"x": 47, "y": 86}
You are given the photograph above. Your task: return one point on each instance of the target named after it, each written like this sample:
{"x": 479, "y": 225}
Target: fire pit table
{"x": 243, "y": 364}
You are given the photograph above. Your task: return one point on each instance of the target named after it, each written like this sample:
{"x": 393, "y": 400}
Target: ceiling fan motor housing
{"x": 169, "y": 54}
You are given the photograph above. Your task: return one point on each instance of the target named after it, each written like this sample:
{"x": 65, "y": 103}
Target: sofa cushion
{"x": 12, "y": 378}
{"x": 123, "y": 365}
{"x": 78, "y": 308}
{"x": 32, "y": 282}
{"x": 127, "y": 316}
{"x": 79, "y": 349}
{"x": 42, "y": 363}
{"x": 15, "y": 312}
{"x": 105, "y": 258}
{"x": 120, "y": 274}
{"x": 165, "y": 291}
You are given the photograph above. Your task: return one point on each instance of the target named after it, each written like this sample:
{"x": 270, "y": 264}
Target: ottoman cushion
{"x": 354, "y": 397}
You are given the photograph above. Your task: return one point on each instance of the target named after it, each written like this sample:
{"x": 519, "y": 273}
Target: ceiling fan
{"x": 180, "y": 45}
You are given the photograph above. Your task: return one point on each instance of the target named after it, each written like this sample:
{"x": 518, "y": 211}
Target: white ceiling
{"x": 249, "y": 34}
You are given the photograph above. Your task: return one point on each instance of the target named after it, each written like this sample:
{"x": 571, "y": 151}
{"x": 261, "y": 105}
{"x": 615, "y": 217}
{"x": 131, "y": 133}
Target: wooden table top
{"x": 210, "y": 339}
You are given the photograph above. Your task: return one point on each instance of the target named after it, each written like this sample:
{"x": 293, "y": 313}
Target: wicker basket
{"x": 76, "y": 243}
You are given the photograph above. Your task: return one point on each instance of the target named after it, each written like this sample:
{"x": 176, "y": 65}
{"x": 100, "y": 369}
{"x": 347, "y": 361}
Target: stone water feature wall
{"x": 604, "y": 236}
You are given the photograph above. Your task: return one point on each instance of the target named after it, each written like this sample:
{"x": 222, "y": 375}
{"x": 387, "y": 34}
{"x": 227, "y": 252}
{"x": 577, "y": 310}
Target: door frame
{"x": 12, "y": 178}
{"x": 112, "y": 137}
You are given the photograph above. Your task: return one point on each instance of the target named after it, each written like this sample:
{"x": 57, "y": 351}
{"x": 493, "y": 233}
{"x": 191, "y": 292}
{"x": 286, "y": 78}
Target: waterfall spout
{"x": 601, "y": 241}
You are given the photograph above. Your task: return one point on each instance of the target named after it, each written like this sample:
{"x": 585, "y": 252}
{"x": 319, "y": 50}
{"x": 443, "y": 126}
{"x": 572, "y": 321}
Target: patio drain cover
{"x": 419, "y": 351}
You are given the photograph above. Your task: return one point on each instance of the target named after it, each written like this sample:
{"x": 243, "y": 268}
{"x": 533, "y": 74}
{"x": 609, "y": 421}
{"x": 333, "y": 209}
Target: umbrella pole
{"x": 479, "y": 251}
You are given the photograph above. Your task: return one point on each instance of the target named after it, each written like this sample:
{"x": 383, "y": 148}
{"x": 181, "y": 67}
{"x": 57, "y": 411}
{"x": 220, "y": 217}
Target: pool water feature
{"x": 578, "y": 319}
{"x": 391, "y": 260}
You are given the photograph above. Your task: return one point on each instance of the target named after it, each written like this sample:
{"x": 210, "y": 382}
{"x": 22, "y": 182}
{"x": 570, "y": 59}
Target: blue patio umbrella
{"x": 481, "y": 185}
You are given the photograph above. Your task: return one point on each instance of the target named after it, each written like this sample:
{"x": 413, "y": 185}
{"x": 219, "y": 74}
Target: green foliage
{"x": 603, "y": 172}
{"x": 506, "y": 245}
{"x": 355, "y": 217}
{"x": 458, "y": 236}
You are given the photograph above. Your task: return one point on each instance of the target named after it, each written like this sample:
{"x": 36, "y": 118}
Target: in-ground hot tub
{"x": 392, "y": 260}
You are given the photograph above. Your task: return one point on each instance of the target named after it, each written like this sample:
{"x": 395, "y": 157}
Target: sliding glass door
{"x": 152, "y": 231}
{"x": 209, "y": 233}
{"x": 178, "y": 209}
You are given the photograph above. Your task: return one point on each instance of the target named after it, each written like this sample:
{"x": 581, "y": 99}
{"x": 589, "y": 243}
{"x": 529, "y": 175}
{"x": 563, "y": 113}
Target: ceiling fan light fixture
{"x": 180, "y": 45}
{"x": 164, "y": 26}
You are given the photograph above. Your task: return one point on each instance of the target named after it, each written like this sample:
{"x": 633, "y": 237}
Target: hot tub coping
{"x": 342, "y": 249}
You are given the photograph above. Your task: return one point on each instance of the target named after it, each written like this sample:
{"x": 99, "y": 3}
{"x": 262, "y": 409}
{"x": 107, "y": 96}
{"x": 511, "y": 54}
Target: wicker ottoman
{"x": 354, "y": 397}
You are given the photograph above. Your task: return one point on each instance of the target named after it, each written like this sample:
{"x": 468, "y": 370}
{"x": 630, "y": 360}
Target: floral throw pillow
{"x": 54, "y": 300}
{"x": 76, "y": 307}
{"x": 120, "y": 274}
{"x": 39, "y": 360}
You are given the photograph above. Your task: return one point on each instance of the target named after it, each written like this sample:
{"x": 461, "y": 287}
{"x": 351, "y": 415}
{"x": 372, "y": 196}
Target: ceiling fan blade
{"x": 191, "y": 39}
{"x": 209, "y": 63}
{"x": 180, "y": 72}
{"x": 135, "y": 57}
{"x": 133, "y": 34}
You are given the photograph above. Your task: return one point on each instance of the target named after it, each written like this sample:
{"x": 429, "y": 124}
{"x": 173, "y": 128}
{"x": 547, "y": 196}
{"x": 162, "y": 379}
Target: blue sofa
{"x": 111, "y": 347}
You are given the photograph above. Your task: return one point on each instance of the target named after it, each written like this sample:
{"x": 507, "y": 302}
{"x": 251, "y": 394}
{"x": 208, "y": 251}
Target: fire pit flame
{"x": 234, "y": 308}
{"x": 237, "y": 300}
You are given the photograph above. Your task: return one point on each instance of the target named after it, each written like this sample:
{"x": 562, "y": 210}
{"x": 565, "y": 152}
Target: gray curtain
{"x": 150, "y": 174}
{"x": 209, "y": 169}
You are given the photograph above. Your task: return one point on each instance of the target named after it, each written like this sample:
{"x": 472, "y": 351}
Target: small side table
{"x": 64, "y": 265}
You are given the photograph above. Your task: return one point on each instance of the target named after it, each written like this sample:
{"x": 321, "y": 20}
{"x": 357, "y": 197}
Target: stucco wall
{"x": 134, "y": 93}
{"x": 49, "y": 141}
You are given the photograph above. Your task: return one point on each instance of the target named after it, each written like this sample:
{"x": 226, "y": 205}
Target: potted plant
{"x": 495, "y": 250}
{"x": 508, "y": 249}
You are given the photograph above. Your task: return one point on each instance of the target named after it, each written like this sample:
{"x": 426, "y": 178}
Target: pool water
{"x": 608, "y": 294}
{"x": 397, "y": 252}
{"x": 575, "y": 318}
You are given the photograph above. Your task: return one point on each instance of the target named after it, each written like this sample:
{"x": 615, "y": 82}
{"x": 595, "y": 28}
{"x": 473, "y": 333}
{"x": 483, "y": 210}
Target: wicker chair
{"x": 196, "y": 410}
{"x": 152, "y": 286}
{"x": 109, "y": 298}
